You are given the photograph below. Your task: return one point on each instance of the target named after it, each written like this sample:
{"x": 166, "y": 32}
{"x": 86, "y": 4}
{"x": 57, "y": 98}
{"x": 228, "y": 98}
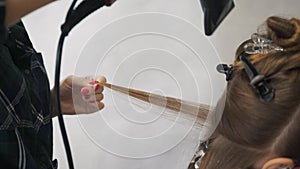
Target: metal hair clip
{"x": 202, "y": 148}
{"x": 227, "y": 70}
{"x": 261, "y": 44}
{"x": 257, "y": 80}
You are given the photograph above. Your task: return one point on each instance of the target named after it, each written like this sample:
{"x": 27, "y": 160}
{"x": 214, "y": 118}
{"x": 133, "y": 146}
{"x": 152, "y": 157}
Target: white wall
{"x": 87, "y": 44}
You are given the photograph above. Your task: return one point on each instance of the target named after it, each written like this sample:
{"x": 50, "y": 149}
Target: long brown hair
{"x": 251, "y": 129}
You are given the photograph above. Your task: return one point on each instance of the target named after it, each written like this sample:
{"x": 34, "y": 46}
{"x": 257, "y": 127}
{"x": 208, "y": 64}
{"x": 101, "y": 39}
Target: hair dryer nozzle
{"x": 214, "y": 13}
{"x": 109, "y": 2}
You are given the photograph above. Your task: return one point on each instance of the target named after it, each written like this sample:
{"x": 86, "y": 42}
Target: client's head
{"x": 260, "y": 126}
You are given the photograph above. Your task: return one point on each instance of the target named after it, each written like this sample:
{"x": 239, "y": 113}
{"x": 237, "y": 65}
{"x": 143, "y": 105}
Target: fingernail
{"x": 96, "y": 87}
{"x": 85, "y": 91}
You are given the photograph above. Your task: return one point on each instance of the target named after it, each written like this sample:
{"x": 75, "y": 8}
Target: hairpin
{"x": 261, "y": 44}
{"x": 257, "y": 80}
{"x": 202, "y": 148}
{"x": 225, "y": 69}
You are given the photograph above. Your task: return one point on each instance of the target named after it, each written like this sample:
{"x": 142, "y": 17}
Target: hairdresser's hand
{"x": 79, "y": 95}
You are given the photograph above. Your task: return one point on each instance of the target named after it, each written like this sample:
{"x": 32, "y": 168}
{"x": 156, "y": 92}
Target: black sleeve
{"x": 3, "y": 29}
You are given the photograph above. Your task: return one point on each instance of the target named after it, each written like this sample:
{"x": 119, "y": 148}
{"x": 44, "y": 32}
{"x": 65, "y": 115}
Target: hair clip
{"x": 225, "y": 69}
{"x": 202, "y": 148}
{"x": 262, "y": 29}
{"x": 257, "y": 80}
{"x": 260, "y": 44}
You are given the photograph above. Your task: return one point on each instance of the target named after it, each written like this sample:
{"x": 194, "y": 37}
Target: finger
{"x": 88, "y": 94}
{"x": 87, "y": 90}
{"x": 81, "y": 81}
{"x": 99, "y": 79}
{"x": 100, "y": 105}
{"x": 102, "y": 79}
{"x": 84, "y": 81}
{"x": 93, "y": 106}
{"x": 98, "y": 88}
{"x": 97, "y": 105}
{"x": 92, "y": 98}
{"x": 88, "y": 98}
{"x": 93, "y": 82}
{"x": 99, "y": 97}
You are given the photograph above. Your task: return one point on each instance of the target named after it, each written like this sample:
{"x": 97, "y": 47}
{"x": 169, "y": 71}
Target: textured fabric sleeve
{"x": 3, "y": 29}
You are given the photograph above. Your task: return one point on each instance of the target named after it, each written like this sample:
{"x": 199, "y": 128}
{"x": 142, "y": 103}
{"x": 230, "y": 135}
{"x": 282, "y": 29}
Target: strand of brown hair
{"x": 198, "y": 111}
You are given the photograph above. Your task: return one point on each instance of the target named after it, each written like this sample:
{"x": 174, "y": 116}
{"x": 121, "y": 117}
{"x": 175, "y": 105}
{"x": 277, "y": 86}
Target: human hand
{"x": 79, "y": 95}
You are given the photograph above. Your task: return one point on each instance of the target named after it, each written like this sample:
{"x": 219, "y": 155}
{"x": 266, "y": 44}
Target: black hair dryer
{"x": 214, "y": 13}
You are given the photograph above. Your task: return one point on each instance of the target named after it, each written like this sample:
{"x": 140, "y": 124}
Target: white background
{"x": 43, "y": 27}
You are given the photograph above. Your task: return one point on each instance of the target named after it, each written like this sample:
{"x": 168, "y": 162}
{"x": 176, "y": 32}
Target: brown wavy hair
{"x": 251, "y": 129}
